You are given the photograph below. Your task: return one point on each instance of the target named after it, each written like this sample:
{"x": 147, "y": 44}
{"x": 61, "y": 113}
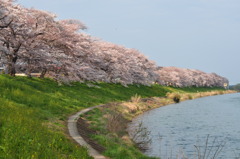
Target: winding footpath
{"x": 73, "y": 132}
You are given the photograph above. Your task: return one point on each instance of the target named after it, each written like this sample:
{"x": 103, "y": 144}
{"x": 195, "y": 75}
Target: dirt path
{"x": 73, "y": 125}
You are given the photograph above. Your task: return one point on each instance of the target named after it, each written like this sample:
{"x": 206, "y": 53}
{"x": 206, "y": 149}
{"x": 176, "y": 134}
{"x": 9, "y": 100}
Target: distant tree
{"x": 122, "y": 65}
{"x": 181, "y": 77}
{"x": 235, "y": 87}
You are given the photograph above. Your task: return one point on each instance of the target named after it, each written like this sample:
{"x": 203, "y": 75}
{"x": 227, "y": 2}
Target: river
{"x": 194, "y": 127}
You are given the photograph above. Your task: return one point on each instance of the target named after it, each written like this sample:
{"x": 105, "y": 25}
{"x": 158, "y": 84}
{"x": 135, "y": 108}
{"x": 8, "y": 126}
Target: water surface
{"x": 176, "y": 128}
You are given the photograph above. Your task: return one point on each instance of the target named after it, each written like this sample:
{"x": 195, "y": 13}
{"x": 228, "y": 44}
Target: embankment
{"x": 110, "y": 121}
{"x": 33, "y": 115}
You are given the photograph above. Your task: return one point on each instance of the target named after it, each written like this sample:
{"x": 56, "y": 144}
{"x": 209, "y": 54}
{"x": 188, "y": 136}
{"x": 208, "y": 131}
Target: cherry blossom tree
{"x": 10, "y": 33}
{"x": 181, "y": 77}
{"x": 122, "y": 65}
{"x": 34, "y": 41}
{"x": 33, "y": 38}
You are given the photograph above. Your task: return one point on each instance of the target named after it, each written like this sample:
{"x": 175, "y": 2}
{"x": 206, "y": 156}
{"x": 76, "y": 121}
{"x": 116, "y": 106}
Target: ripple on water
{"x": 178, "y": 127}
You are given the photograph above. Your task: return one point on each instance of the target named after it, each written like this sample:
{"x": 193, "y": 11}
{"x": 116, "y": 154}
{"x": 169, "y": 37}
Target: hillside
{"x": 33, "y": 113}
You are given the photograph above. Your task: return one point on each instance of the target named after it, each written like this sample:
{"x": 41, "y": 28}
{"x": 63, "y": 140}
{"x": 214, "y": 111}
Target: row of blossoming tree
{"x": 34, "y": 41}
{"x": 181, "y": 77}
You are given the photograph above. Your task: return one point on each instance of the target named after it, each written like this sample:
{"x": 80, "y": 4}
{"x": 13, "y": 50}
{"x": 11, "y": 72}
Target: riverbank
{"x": 34, "y": 112}
{"x": 109, "y": 123}
{"x": 188, "y": 129}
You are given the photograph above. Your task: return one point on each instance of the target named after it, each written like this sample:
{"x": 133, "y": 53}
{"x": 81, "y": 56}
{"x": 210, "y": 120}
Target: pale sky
{"x": 195, "y": 34}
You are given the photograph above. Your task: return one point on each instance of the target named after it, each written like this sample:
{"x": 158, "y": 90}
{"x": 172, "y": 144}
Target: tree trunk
{"x": 43, "y": 73}
{"x": 28, "y": 72}
{"x": 29, "y": 68}
{"x": 11, "y": 70}
{"x": 11, "y": 57}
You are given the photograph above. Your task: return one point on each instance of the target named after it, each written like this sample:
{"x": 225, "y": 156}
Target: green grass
{"x": 193, "y": 89}
{"x": 112, "y": 139}
{"x": 24, "y": 136}
{"x": 33, "y": 114}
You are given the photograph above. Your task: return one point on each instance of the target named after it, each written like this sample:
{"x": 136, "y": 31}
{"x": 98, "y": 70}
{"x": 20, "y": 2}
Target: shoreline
{"x": 129, "y": 110}
{"x": 182, "y": 129}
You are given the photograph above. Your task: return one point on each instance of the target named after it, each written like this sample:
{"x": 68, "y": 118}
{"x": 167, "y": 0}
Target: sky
{"x": 194, "y": 34}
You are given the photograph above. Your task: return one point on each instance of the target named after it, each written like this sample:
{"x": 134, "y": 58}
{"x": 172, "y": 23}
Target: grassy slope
{"x": 33, "y": 113}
